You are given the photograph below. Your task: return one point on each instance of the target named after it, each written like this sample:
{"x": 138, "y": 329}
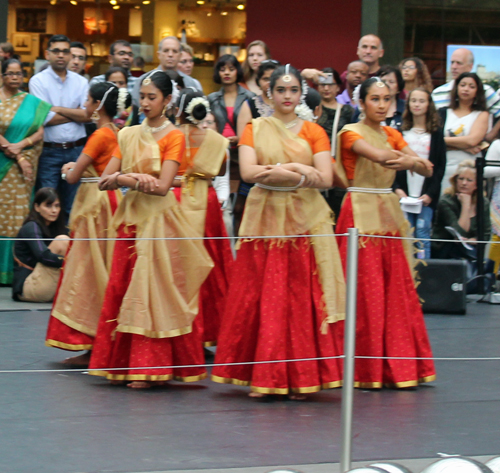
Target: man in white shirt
{"x": 462, "y": 60}
{"x": 120, "y": 55}
{"x": 169, "y": 55}
{"x": 67, "y": 92}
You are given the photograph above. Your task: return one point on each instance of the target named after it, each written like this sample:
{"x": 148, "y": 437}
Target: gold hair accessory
{"x": 380, "y": 84}
{"x": 287, "y": 77}
{"x": 146, "y": 81}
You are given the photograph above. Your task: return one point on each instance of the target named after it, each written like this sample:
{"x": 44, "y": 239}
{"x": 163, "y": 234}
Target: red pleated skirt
{"x": 274, "y": 312}
{"x": 214, "y": 289}
{"x": 59, "y": 335}
{"x": 125, "y": 350}
{"x": 390, "y": 321}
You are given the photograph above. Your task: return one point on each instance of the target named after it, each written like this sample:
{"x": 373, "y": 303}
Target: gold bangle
{"x": 20, "y": 159}
{"x": 137, "y": 185}
{"x": 30, "y": 141}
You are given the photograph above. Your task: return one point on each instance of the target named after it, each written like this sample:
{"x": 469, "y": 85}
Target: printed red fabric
{"x": 274, "y": 312}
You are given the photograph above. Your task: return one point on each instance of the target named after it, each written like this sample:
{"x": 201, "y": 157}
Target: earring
{"x": 177, "y": 121}
{"x": 269, "y": 96}
{"x": 165, "y": 108}
{"x": 362, "y": 115}
{"x": 141, "y": 109}
{"x": 95, "y": 116}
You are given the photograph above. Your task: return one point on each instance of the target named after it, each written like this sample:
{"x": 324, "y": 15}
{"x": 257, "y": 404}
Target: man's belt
{"x": 67, "y": 145}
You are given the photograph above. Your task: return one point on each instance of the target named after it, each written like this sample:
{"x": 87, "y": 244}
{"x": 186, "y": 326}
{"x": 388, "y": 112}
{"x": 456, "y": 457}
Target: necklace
{"x": 292, "y": 123}
{"x": 151, "y": 129}
{"x": 419, "y": 131}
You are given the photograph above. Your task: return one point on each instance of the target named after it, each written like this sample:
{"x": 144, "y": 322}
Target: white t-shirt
{"x": 421, "y": 144}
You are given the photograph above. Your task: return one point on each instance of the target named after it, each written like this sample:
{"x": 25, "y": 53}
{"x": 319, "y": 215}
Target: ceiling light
{"x": 241, "y": 6}
{"x": 53, "y": 2}
{"x": 137, "y": 7}
{"x": 116, "y": 7}
{"x": 223, "y": 13}
{"x": 200, "y": 2}
{"x": 73, "y": 2}
{"x": 113, "y": 2}
{"x": 146, "y": 2}
{"x": 209, "y": 13}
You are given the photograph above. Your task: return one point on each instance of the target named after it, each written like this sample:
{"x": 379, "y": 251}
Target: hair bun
{"x": 199, "y": 112}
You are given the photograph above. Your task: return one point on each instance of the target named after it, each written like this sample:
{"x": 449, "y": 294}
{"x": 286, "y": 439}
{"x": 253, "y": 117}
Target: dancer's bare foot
{"x": 297, "y": 397}
{"x": 80, "y": 360}
{"x": 139, "y": 385}
{"x": 257, "y": 395}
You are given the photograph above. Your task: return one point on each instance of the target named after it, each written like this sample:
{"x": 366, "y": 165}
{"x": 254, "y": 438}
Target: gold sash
{"x": 299, "y": 212}
{"x": 162, "y": 298}
{"x": 207, "y": 164}
{"x": 374, "y": 214}
{"x": 85, "y": 277}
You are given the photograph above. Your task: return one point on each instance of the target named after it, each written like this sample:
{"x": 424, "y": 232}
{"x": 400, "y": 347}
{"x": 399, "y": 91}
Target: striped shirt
{"x": 441, "y": 97}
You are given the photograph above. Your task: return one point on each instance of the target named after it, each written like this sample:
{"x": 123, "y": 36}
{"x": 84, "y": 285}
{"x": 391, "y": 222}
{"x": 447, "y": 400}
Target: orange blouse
{"x": 171, "y": 147}
{"x": 312, "y": 133}
{"x": 100, "y": 147}
{"x": 349, "y": 157}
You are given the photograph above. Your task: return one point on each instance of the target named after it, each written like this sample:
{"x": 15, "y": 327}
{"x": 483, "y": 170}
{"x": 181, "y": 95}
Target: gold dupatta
{"x": 88, "y": 262}
{"x": 374, "y": 214}
{"x": 299, "y": 212}
{"x": 207, "y": 164}
{"x": 162, "y": 297}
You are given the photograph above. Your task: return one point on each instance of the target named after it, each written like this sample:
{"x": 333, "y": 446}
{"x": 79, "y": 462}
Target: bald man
{"x": 370, "y": 51}
{"x": 462, "y": 60}
{"x": 169, "y": 55}
{"x": 357, "y": 72}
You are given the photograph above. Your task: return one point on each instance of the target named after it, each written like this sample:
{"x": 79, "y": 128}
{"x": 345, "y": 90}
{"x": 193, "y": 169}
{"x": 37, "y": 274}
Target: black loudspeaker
{"x": 442, "y": 286}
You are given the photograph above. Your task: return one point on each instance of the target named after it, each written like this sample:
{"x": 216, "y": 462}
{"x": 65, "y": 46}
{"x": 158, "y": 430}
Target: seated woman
{"x": 457, "y": 209}
{"x": 37, "y": 263}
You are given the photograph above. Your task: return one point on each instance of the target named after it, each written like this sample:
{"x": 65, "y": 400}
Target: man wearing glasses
{"x": 67, "y": 92}
{"x": 121, "y": 55}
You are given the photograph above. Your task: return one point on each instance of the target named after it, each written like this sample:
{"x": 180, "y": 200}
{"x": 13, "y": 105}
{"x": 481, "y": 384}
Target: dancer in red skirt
{"x": 151, "y": 299}
{"x": 287, "y": 293}
{"x": 390, "y": 322}
{"x": 204, "y": 158}
{"x": 78, "y": 302}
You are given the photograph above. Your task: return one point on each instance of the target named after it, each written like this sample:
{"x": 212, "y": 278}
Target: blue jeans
{"x": 422, "y": 224}
{"x": 49, "y": 173}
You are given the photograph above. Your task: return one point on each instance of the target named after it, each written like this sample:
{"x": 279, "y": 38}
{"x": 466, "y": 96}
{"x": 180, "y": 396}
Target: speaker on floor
{"x": 442, "y": 285}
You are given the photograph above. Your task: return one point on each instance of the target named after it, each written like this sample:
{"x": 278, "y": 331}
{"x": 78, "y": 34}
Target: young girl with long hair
{"x": 76, "y": 309}
{"x": 287, "y": 293}
{"x": 39, "y": 258}
{"x": 424, "y": 135}
{"x": 390, "y": 322}
{"x": 151, "y": 299}
{"x": 257, "y": 51}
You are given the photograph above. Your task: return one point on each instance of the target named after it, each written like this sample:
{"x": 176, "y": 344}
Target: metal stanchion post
{"x": 349, "y": 349}
{"x": 480, "y": 161}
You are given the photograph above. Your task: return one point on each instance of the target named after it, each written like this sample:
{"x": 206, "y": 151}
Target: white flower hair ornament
{"x": 175, "y": 96}
{"x": 305, "y": 89}
{"x": 122, "y": 100}
{"x": 303, "y": 111}
{"x": 355, "y": 95}
{"x": 194, "y": 103}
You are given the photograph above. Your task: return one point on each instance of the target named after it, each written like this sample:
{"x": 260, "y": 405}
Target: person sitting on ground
{"x": 457, "y": 209}
{"x": 38, "y": 261}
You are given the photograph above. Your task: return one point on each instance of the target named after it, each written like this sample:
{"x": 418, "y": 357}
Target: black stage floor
{"x": 70, "y": 422}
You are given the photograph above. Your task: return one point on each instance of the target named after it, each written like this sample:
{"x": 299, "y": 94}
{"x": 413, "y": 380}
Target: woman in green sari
{"x": 21, "y": 139}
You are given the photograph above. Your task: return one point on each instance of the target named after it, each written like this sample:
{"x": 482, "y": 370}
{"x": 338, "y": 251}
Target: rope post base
{"x": 349, "y": 350}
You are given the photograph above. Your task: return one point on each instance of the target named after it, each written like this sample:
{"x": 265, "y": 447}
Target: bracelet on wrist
{"x": 30, "y": 141}
{"x": 22, "y": 158}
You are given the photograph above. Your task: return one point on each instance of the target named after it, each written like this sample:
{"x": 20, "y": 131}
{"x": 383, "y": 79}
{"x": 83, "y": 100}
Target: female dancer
{"x": 465, "y": 123}
{"x": 21, "y": 139}
{"x": 415, "y": 74}
{"x": 286, "y": 293}
{"x": 389, "y": 317}
{"x": 424, "y": 136}
{"x": 152, "y": 296}
{"x": 257, "y": 52}
{"x": 205, "y": 154}
{"x": 76, "y": 309}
